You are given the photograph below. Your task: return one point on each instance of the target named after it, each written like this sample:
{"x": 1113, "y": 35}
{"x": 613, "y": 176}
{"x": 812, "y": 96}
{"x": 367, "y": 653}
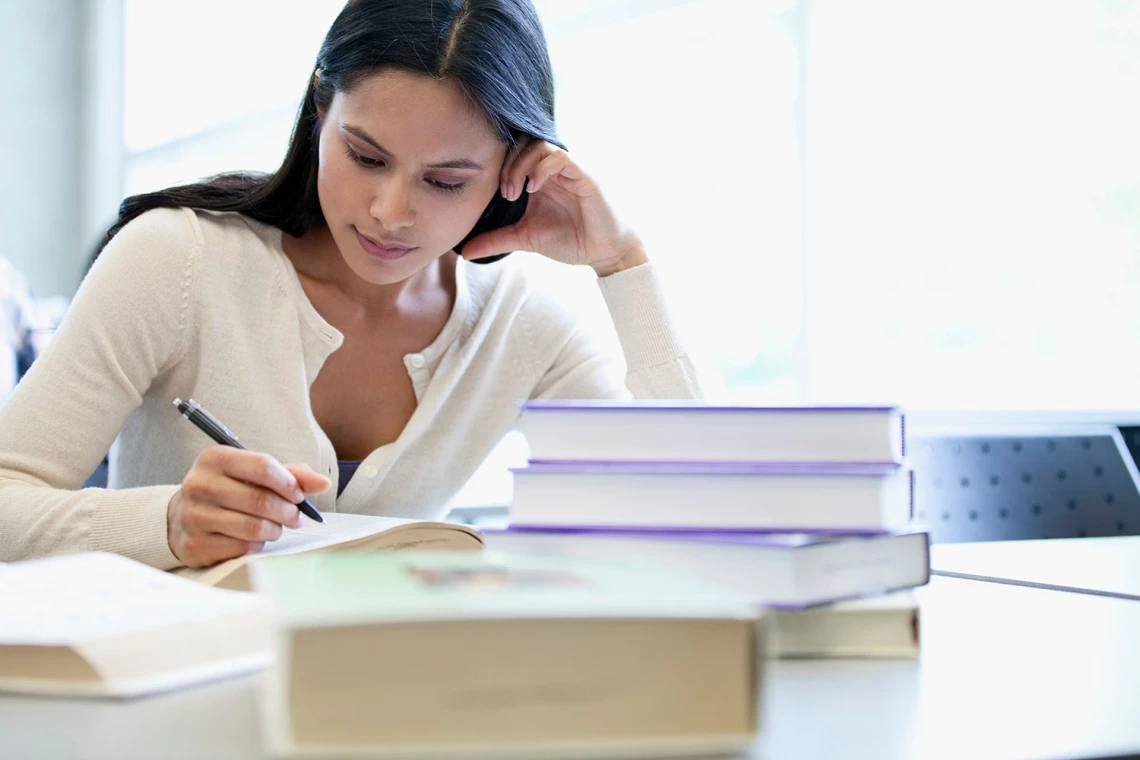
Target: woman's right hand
{"x": 232, "y": 501}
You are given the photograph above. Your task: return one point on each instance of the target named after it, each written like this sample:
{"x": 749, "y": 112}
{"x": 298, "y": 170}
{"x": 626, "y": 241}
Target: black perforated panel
{"x": 999, "y": 487}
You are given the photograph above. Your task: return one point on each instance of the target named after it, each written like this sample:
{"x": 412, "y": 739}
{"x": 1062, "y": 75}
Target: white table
{"x": 1005, "y": 672}
{"x": 1108, "y": 566}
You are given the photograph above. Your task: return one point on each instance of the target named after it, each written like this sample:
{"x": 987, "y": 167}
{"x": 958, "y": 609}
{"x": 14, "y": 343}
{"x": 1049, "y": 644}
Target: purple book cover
{"x": 691, "y": 530}
{"x": 688, "y": 406}
{"x": 856, "y": 469}
{"x": 781, "y": 540}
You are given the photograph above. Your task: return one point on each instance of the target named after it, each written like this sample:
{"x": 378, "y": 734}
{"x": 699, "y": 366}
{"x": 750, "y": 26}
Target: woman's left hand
{"x": 566, "y": 219}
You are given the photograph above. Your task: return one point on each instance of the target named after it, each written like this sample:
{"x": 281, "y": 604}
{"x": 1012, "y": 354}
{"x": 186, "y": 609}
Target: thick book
{"x": 440, "y": 655}
{"x": 101, "y": 625}
{"x": 881, "y": 627}
{"x": 782, "y": 570}
{"x": 672, "y": 431}
{"x": 340, "y": 532}
{"x": 840, "y": 498}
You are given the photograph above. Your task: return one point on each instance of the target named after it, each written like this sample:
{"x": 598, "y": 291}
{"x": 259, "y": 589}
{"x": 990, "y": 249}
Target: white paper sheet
{"x": 335, "y": 529}
{"x": 65, "y": 600}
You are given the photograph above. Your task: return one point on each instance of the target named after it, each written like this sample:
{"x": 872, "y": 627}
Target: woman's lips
{"x": 385, "y": 251}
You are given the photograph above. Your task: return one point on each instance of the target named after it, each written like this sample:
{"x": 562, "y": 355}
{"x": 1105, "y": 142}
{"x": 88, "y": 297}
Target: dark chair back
{"x": 1063, "y": 482}
{"x": 98, "y": 479}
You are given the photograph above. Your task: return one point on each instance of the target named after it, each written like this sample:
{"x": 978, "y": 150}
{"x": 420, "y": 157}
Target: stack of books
{"x": 798, "y": 507}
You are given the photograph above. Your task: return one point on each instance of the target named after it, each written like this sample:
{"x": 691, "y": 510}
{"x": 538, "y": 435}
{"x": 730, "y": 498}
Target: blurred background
{"x": 930, "y": 202}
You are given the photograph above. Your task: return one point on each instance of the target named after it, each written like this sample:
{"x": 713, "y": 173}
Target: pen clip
{"x": 209, "y": 418}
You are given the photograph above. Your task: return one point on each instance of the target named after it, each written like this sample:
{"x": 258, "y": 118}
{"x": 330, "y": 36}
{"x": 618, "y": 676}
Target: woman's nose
{"x": 392, "y": 206}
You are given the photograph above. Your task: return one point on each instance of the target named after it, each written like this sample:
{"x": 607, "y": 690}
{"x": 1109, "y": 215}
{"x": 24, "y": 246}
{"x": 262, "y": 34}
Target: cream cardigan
{"x": 205, "y": 305}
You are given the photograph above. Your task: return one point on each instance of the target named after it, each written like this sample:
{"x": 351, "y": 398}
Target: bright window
{"x": 973, "y": 201}
{"x": 927, "y": 201}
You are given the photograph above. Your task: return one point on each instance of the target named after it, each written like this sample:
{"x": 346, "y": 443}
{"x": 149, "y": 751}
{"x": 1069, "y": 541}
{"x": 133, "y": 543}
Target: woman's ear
{"x": 317, "y": 100}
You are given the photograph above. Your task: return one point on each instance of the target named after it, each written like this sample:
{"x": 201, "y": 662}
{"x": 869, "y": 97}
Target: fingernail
{"x": 297, "y": 495}
{"x": 529, "y": 185}
{"x": 297, "y": 520}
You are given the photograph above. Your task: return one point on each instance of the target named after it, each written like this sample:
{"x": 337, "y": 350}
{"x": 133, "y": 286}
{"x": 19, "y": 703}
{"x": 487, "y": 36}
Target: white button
{"x": 369, "y": 471}
{"x": 416, "y": 361}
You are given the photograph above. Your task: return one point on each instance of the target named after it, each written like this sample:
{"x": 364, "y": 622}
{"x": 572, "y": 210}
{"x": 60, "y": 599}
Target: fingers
{"x": 309, "y": 479}
{"x": 254, "y": 468}
{"x": 203, "y": 549}
{"x": 494, "y": 242}
{"x": 520, "y": 164}
{"x": 556, "y": 163}
{"x": 201, "y": 518}
{"x": 525, "y": 145}
{"x": 242, "y": 497}
{"x": 232, "y": 501}
{"x": 192, "y": 538}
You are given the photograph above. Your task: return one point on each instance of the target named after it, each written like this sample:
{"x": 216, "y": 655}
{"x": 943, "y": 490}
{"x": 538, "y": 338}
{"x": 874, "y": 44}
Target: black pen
{"x": 221, "y": 434}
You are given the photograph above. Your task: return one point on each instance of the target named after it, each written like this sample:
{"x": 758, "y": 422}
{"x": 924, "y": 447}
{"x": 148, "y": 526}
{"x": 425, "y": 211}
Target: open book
{"x": 339, "y": 532}
{"x": 98, "y": 624}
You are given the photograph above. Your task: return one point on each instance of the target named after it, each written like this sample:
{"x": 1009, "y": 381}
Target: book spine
{"x": 696, "y": 467}
{"x": 594, "y": 405}
{"x": 682, "y": 529}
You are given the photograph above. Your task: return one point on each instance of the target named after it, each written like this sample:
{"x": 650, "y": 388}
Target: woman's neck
{"x": 316, "y": 258}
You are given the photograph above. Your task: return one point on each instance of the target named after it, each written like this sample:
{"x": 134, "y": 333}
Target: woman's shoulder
{"x": 181, "y": 226}
{"x": 227, "y": 238}
{"x": 539, "y": 293}
{"x": 224, "y": 232}
{"x": 158, "y": 245}
{"x": 182, "y": 254}
{"x": 164, "y": 227}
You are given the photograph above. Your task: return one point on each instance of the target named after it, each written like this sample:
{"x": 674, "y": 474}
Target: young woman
{"x": 330, "y": 313}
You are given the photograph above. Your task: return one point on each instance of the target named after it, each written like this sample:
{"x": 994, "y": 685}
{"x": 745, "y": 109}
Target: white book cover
{"x": 847, "y": 498}
{"x": 673, "y": 431}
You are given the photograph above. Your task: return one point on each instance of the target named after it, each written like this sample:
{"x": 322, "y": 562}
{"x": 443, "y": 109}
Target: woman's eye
{"x": 447, "y": 187}
{"x": 373, "y": 163}
{"x": 362, "y": 160}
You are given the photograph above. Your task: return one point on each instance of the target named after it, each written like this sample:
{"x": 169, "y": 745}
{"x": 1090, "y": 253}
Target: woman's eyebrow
{"x": 455, "y": 163}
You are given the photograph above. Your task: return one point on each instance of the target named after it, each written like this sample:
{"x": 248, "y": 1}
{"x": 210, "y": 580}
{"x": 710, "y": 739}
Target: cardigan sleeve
{"x": 130, "y": 320}
{"x": 657, "y": 366}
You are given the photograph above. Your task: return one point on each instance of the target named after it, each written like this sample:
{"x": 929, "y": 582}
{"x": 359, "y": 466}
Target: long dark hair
{"x": 493, "y": 49}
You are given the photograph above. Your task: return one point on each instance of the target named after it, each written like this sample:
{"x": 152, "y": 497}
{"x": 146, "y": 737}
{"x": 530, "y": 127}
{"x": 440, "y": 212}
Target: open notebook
{"x": 338, "y": 532}
{"x": 98, "y": 624}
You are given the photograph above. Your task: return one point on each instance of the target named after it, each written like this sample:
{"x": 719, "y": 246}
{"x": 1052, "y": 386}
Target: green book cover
{"x": 343, "y": 588}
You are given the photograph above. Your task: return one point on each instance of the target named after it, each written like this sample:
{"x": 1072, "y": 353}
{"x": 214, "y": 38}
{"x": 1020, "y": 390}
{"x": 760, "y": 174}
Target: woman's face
{"x": 407, "y": 167}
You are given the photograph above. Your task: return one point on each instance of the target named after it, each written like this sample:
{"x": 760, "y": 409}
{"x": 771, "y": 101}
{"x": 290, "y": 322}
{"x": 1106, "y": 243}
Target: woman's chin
{"x": 379, "y": 271}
